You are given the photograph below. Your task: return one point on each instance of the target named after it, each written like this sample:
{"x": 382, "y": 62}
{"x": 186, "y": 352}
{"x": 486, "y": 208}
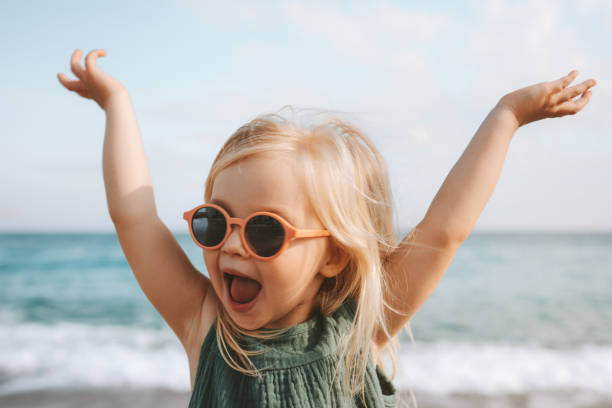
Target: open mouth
{"x": 241, "y": 290}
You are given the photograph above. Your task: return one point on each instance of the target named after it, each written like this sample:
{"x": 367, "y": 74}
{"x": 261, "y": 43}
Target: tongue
{"x": 244, "y": 290}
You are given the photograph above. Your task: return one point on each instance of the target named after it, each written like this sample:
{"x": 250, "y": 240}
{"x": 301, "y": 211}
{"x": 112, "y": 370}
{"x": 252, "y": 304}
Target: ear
{"x": 336, "y": 261}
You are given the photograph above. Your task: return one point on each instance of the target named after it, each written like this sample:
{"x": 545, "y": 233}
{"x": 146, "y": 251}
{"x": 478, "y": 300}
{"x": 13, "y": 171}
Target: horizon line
{"x": 174, "y": 232}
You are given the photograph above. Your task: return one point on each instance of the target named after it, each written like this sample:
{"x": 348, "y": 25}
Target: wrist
{"x": 508, "y": 110}
{"x": 119, "y": 96}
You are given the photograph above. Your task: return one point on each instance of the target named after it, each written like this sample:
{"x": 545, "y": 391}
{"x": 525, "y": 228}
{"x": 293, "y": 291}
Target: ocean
{"x": 519, "y": 320}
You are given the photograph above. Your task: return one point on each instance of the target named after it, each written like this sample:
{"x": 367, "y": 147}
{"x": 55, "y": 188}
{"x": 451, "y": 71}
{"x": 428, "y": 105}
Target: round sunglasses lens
{"x": 265, "y": 235}
{"x": 209, "y": 226}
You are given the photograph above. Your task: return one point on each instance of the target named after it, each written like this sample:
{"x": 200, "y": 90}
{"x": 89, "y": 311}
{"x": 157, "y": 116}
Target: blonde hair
{"x": 348, "y": 187}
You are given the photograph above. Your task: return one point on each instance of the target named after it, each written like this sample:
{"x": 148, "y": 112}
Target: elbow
{"x": 439, "y": 235}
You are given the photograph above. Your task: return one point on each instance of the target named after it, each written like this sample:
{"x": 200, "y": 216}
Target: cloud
{"x": 238, "y": 12}
{"x": 517, "y": 44}
{"x": 380, "y": 33}
{"x": 420, "y": 82}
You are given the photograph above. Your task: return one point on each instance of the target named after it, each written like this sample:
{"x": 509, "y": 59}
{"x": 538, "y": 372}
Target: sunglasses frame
{"x": 291, "y": 232}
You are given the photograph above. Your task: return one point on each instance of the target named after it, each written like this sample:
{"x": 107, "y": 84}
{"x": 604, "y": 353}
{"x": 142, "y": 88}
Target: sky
{"x": 418, "y": 79}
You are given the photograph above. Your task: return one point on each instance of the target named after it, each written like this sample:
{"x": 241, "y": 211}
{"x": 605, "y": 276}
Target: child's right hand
{"x": 93, "y": 83}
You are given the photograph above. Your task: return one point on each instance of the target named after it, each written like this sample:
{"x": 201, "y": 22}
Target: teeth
{"x": 230, "y": 276}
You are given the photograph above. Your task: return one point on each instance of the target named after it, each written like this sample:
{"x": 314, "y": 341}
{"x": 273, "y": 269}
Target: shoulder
{"x": 349, "y": 310}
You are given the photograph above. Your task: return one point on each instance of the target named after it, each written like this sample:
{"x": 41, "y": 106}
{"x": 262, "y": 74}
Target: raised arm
{"x": 165, "y": 274}
{"x": 415, "y": 270}
{"x": 129, "y": 191}
{"x": 468, "y": 187}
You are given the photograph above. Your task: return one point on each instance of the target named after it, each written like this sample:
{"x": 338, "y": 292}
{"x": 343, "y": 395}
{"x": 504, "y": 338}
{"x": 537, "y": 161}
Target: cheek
{"x": 210, "y": 260}
{"x": 291, "y": 272}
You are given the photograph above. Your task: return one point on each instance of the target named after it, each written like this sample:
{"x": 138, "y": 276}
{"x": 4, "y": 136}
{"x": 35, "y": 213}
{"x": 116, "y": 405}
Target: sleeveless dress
{"x": 297, "y": 368}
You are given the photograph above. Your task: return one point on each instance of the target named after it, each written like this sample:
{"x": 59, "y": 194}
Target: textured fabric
{"x": 297, "y": 367}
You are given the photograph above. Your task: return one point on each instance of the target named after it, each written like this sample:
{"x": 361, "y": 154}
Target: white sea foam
{"x": 443, "y": 368}
{"x": 34, "y": 356}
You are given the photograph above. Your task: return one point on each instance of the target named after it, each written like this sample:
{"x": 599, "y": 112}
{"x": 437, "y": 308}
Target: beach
{"x": 164, "y": 398}
{"x": 96, "y": 398}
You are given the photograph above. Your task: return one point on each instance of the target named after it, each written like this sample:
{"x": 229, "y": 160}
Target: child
{"x": 311, "y": 284}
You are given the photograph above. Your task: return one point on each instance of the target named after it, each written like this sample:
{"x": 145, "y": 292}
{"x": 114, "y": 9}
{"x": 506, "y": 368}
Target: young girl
{"x": 307, "y": 282}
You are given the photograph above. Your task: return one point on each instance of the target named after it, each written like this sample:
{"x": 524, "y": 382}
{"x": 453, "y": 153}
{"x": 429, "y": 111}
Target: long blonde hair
{"x": 347, "y": 183}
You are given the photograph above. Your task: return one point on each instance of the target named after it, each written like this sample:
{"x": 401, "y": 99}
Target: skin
{"x": 549, "y": 99}
{"x": 92, "y": 82}
{"x": 290, "y": 281}
{"x": 245, "y": 187}
{"x": 287, "y": 297}
{"x": 414, "y": 273}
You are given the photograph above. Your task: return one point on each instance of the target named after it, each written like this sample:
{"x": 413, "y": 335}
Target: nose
{"x": 233, "y": 244}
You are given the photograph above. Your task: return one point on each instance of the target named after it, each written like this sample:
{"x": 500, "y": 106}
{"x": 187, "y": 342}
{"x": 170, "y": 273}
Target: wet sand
{"x": 97, "y": 398}
{"x": 163, "y": 398}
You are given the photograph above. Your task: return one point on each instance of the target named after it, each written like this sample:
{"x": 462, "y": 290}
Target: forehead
{"x": 266, "y": 181}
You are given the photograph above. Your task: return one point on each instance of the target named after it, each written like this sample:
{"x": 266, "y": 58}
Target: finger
{"x": 69, "y": 84}
{"x": 562, "y": 82}
{"x": 572, "y": 107}
{"x": 90, "y": 60}
{"x": 573, "y": 91}
{"x": 75, "y": 64}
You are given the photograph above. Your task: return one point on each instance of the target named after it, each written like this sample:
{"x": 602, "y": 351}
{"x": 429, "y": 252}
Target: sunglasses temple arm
{"x": 311, "y": 233}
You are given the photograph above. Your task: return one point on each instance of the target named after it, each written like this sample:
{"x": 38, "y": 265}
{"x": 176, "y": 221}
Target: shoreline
{"x": 166, "y": 398}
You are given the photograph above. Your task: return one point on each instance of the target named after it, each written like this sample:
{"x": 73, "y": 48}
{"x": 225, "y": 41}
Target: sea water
{"x": 514, "y": 314}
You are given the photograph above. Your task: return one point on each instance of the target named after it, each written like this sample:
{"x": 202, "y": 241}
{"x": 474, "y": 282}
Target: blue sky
{"x": 418, "y": 79}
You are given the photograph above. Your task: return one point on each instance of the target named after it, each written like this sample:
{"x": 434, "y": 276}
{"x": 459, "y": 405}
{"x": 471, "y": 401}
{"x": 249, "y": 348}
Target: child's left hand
{"x": 548, "y": 99}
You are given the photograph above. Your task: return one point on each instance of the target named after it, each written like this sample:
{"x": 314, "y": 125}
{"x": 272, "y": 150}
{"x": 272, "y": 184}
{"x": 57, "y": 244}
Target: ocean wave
{"x": 36, "y": 356}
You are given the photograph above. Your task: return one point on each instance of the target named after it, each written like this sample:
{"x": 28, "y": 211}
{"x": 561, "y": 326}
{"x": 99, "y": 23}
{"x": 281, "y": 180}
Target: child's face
{"x": 290, "y": 281}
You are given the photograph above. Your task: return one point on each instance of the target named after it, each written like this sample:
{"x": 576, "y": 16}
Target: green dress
{"x": 299, "y": 370}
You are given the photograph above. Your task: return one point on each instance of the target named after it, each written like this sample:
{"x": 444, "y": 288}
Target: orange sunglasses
{"x": 265, "y": 235}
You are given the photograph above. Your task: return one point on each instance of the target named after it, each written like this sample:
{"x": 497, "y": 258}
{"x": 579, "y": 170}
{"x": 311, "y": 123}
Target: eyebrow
{"x": 269, "y": 209}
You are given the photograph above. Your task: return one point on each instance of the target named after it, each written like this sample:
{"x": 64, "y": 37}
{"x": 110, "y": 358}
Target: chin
{"x": 246, "y": 323}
